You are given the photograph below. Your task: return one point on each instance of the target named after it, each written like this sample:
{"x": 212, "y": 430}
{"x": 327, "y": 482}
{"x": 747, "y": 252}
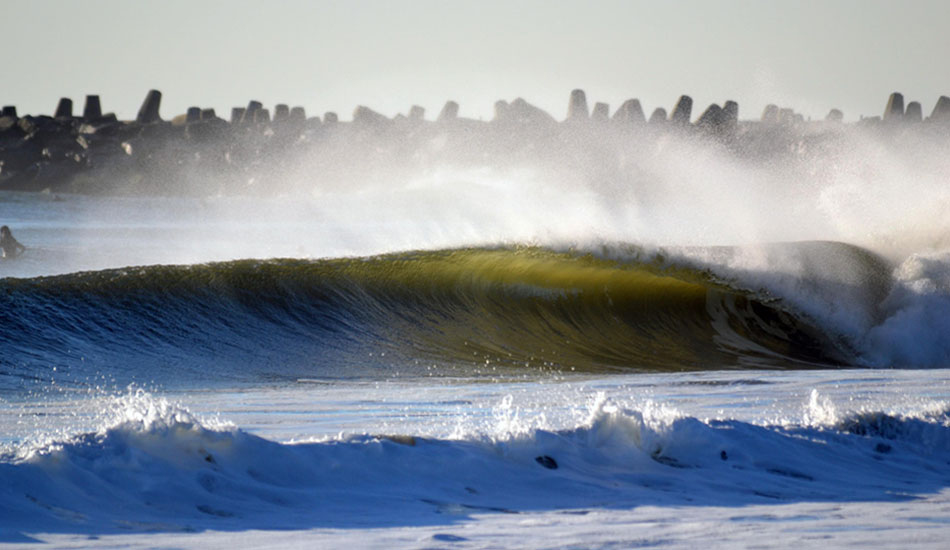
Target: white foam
{"x": 917, "y": 315}
{"x": 156, "y": 469}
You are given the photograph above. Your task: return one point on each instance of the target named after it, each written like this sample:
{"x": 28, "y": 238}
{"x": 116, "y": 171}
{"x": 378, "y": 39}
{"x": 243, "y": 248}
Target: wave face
{"x": 481, "y": 310}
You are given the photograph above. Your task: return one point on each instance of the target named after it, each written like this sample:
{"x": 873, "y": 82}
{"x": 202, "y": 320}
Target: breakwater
{"x": 256, "y": 151}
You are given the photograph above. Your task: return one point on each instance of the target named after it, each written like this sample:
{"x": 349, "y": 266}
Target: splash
{"x": 99, "y": 415}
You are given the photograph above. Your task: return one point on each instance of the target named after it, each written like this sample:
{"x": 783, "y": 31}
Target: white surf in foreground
{"x": 654, "y": 459}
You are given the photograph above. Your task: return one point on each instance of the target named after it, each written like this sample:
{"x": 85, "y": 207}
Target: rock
{"x": 659, "y": 116}
{"x": 630, "y": 112}
{"x": 281, "y": 112}
{"x": 40, "y": 175}
{"x": 148, "y": 112}
{"x": 894, "y": 111}
{"x": 237, "y": 115}
{"x": 22, "y": 154}
{"x": 262, "y": 116}
{"x": 914, "y": 112}
{"x": 7, "y": 124}
{"x": 208, "y": 114}
{"x": 193, "y": 115}
{"x": 158, "y": 132}
{"x": 250, "y": 112}
{"x": 834, "y": 115}
{"x": 64, "y": 109}
{"x": 941, "y": 110}
{"x": 786, "y": 116}
{"x": 368, "y": 117}
{"x": 577, "y": 106}
{"x": 712, "y": 119}
{"x": 523, "y": 113}
{"x": 730, "y": 115}
{"x": 8, "y": 110}
{"x": 60, "y": 147}
{"x": 298, "y": 114}
{"x": 450, "y": 111}
{"x": 770, "y": 114}
{"x": 501, "y": 110}
{"x": 330, "y": 117}
{"x": 53, "y": 175}
{"x": 406, "y": 440}
{"x": 417, "y": 113}
{"x": 30, "y": 124}
{"x": 104, "y": 125}
{"x": 206, "y": 131}
{"x": 683, "y": 111}
{"x": 92, "y": 110}
{"x": 601, "y": 112}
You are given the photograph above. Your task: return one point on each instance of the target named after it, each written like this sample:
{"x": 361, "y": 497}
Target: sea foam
{"x": 158, "y": 467}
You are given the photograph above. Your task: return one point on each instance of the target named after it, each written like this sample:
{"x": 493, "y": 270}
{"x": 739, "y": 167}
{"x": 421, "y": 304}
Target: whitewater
{"x": 685, "y": 348}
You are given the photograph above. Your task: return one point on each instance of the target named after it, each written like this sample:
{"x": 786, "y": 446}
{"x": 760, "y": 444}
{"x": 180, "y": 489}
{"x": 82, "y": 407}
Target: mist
{"x": 200, "y": 189}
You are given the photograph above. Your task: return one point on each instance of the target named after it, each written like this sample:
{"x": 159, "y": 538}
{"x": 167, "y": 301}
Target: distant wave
{"x": 478, "y": 309}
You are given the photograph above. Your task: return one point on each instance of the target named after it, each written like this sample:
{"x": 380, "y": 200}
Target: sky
{"x": 391, "y": 54}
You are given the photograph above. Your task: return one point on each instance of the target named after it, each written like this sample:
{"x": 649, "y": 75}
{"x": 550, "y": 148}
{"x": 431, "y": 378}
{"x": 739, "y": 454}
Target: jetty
{"x": 257, "y": 149}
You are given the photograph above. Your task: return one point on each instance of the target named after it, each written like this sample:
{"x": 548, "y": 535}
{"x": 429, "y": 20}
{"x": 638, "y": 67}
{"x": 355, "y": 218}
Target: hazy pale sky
{"x": 389, "y": 54}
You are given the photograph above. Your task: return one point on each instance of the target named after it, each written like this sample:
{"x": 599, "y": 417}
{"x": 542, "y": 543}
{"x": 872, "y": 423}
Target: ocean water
{"x": 695, "y": 352}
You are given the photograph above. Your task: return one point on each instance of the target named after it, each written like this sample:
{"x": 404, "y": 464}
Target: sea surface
{"x": 480, "y": 359}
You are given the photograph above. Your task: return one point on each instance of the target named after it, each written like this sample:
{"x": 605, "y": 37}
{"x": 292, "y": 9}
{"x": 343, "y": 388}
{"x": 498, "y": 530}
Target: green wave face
{"x": 534, "y": 307}
{"x": 478, "y": 310}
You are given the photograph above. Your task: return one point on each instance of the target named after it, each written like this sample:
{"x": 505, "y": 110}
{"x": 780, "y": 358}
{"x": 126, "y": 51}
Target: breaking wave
{"x": 479, "y": 309}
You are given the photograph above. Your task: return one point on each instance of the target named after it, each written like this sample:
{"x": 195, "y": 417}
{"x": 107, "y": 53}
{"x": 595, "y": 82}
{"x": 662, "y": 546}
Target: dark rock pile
{"x": 256, "y": 151}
